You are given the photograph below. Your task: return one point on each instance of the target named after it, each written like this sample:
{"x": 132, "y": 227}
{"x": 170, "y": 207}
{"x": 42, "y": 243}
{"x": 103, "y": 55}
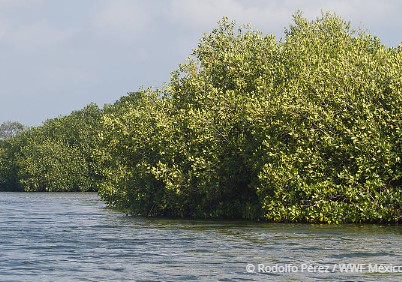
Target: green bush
{"x": 8, "y": 168}
{"x": 333, "y": 135}
{"x": 60, "y": 155}
{"x": 307, "y": 129}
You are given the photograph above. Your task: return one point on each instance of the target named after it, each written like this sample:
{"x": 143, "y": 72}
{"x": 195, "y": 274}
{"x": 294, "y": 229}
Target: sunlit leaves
{"x": 307, "y": 129}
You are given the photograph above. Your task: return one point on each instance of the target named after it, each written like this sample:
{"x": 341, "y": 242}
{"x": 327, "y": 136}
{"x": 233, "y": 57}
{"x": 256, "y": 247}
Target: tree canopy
{"x": 304, "y": 129}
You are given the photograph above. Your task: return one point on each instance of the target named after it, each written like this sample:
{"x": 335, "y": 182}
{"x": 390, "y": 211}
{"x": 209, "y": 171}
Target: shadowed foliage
{"x": 307, "y": 129}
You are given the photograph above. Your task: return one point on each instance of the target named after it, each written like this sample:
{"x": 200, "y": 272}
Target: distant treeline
{"x": 305, "y": 129}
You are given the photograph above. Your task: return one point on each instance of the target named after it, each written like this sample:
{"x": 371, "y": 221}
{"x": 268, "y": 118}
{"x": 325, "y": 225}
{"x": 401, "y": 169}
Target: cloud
{"x": 275, "y": 15}
{"x": 6, "y": 5}
{"x": 268, "y": 16}
{"x": 26, "y": 26}
{"x": 69, "y": 53}
{"x": 120, "y": 18}
{"x": 34, "y": 36}
{"x": 200, "y": 14}
{"x": 4, "y": 27}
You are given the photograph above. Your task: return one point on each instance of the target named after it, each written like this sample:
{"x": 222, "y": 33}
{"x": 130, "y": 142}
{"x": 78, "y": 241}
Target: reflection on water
{"x": 71, "y": 236}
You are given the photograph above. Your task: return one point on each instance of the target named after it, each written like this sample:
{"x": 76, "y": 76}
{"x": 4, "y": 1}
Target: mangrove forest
{"x": 307, "y": 128}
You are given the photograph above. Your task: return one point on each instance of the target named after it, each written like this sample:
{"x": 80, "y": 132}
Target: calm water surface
{"x": 73, "y": 237}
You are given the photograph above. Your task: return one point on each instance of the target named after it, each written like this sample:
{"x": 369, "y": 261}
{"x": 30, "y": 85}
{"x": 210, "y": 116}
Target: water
{"x": 73, "y": 237}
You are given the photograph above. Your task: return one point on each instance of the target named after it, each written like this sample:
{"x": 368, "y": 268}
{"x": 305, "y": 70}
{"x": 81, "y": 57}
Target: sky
{"x": 57, "y": 56}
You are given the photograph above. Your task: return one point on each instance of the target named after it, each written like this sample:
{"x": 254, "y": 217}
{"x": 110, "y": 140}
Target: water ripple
{"x": 69, "y": 236}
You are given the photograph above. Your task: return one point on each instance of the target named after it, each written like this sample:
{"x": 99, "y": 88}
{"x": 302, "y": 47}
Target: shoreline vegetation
{"x": 305, "y": 129}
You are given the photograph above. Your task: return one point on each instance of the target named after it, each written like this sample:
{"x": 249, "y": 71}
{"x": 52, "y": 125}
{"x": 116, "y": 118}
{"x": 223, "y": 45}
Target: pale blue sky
{"x": 60, "y": 55}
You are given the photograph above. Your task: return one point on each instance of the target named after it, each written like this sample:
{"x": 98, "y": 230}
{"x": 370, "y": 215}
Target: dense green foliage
{"x": 307, "y": 129}
{"x": 8, "y": 168}
{"x": 57, "y": 156}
